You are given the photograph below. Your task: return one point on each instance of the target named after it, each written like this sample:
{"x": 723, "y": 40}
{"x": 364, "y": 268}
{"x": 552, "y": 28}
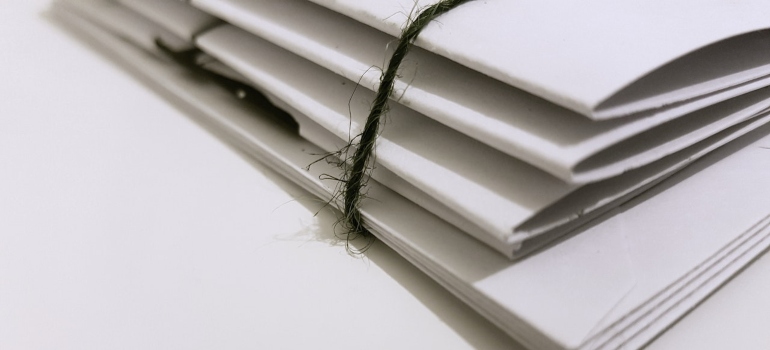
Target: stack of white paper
{"x": 506, "y": 135}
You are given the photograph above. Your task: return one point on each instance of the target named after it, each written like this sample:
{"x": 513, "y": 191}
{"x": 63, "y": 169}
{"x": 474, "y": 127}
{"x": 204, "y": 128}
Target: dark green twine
{"x": 356, "y": 175}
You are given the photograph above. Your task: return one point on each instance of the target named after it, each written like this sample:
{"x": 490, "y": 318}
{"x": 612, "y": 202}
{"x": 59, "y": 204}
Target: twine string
{"x": 357, "y": 174}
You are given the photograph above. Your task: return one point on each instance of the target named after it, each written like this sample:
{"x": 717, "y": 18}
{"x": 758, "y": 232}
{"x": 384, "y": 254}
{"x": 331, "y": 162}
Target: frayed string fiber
{"x": 357, "y": 172}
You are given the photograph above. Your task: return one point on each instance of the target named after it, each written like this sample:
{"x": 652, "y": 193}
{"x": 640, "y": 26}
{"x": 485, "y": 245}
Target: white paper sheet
{"x": 564, "y": 51}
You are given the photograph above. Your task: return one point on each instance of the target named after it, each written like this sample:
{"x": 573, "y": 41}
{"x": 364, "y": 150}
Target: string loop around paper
{"x": 357, "y": 173}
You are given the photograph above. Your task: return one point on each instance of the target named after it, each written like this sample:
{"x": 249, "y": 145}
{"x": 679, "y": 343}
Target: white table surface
{"x": 125, "y": 225}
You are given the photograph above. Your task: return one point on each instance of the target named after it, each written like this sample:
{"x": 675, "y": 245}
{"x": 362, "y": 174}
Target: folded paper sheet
{"x": 560, "y": 51}
{"x": 617, "y": 282}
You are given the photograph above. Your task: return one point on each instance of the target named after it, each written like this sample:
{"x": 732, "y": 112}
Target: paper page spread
{"x": 559, "y": 50}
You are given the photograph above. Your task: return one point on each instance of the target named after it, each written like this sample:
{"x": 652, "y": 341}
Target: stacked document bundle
{"x": 581, "y": 173}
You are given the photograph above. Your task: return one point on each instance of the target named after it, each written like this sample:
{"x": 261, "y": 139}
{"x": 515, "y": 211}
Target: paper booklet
{"x": 434, "y": 161}
{"x": 616, "y": 282}
{"x": 479, "y": 198}
{"x": 515, "y": 122}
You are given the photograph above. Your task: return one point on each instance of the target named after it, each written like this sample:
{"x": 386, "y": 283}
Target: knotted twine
{"x": 357, "y": 174}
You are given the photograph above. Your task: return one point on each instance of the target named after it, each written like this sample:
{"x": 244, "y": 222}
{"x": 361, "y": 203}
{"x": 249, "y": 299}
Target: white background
{"x": 124, "y": 225}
